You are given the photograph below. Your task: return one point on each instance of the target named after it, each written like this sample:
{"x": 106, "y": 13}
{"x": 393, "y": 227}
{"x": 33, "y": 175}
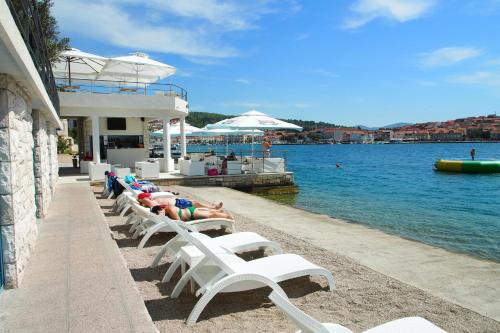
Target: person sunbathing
{"x": 182, "y": 203}
{"x": 190, "y": 213}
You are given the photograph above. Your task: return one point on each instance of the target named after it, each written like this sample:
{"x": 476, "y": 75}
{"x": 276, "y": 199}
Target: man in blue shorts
{"x": 181, "y": 203}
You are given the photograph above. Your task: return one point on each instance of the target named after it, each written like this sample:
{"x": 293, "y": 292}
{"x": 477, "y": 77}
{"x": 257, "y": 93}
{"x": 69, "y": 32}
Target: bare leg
{"x": 198, "y": 204}
{"x": 211, "y": 213}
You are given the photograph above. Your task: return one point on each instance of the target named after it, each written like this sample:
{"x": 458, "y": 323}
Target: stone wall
{"x": 28, "y": 175}
{"x": 54, "y": 163}
{"x": 46, "y": 168}
{"x": 17, "y": 182}
{"x": 42, "y": 167}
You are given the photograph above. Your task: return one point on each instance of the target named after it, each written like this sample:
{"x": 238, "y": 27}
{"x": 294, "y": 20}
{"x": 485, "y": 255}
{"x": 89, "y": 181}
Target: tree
{"x": 55, "y": 45}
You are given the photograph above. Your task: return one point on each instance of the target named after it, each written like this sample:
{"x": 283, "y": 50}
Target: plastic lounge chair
{"x": 148, "y": 226}
{"x": 308, "y": 324}
{"x": 222, "y": 271}
{"x": 237, "y": 242}
{"x": 123, "y": 201}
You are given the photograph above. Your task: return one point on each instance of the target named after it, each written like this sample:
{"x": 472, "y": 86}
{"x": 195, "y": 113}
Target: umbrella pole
{"x": 253, "y": 141}
{"x": 227, "y": 144}
{"x": 69, "y": 71}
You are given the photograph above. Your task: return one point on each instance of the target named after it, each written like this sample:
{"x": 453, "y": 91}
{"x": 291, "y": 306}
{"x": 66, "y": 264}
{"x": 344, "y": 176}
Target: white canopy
{"x": 252, "y": 120}
{"x": 137, "y": 67}
{"x": 227, "y": 132}
{"x": 175, "y": 130}
{"x": 75, "y": 64}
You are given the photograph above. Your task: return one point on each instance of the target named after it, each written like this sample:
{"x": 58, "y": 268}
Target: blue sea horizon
{"x": 394, "y": 188}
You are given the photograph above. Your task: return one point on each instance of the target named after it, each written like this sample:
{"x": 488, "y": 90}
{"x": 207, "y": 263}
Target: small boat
{"x": 468, "y": 166}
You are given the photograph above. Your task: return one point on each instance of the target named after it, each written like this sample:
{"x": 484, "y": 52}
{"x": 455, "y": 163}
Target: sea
{"x": 394, "y": 188}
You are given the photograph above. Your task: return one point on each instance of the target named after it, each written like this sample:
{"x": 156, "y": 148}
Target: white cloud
{"x": 477, "y": 78}
{"x": 365, "y": 11}
{"x": 448, "y": 56}
{"x": 194, "y": 28}
{"x": 243, "y": 80}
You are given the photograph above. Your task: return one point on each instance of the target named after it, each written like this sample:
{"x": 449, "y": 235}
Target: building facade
{"x": 28, "y": 140}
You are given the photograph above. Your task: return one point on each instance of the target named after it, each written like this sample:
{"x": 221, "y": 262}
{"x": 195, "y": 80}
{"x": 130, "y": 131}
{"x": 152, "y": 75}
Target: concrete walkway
{"x": 76, "y": 281}
{"x": 461, "y": 279}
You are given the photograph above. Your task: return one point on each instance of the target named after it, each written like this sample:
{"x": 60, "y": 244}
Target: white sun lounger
{"x": 222, "y": 271}
{"x": 237, "y": 242}
{"x": 308, "y": 324}
{"x": 123, "y": 201}
{"x": 146, "y": 226}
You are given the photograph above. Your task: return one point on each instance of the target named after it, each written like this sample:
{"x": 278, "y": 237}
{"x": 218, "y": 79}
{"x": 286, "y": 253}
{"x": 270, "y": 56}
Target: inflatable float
{"x": 468, "y": 166}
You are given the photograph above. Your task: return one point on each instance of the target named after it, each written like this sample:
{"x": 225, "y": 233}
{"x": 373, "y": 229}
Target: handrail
{"x": 244, "y": 156}
{"x": 25, "y": 14}
{"x": 120, "y": 87}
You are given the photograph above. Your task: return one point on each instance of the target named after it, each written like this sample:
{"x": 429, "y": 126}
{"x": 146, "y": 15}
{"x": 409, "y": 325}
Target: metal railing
{"x": 261, "y": 162}
{"x": 120, "y": 87}
{"x": 25, "y": 14}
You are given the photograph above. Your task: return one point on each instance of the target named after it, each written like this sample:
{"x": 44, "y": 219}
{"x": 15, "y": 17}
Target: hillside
{"x": 200, "y": 119}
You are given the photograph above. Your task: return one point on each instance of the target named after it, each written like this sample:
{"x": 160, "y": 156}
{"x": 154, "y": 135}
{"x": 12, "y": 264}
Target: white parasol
{"x": 254, "y": 120}
{"x": 137, "y": 67}
{"x": 75, "y": 64}
{"x": 175, "y": 130}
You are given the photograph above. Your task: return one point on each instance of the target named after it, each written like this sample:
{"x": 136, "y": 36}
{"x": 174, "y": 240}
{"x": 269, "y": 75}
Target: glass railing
{"x": 240, "y": 161}
{"x": 25, "y": 14}
{"x": 120, "y": 87}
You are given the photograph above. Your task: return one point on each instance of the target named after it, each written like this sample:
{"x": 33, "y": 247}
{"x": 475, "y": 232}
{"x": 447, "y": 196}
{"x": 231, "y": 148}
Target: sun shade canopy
{"x": 137, "y": 67}
{"x": 253, "y": 120}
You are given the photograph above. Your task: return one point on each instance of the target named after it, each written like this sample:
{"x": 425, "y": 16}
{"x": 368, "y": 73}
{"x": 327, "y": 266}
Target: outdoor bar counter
{"x": 126, "y": 156}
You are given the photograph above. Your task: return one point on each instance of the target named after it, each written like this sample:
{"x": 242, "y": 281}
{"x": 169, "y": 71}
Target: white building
{"x": 29, "y": 118}
{"x": 111, "y": 111}
{"x": 114, "y": 103}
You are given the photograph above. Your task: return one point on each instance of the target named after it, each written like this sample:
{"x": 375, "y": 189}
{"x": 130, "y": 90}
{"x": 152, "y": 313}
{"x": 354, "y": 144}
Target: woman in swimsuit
{"x": 190, "y": 213}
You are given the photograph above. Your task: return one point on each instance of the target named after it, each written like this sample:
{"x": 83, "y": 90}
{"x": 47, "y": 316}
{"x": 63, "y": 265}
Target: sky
{"x": 351, "y": 62}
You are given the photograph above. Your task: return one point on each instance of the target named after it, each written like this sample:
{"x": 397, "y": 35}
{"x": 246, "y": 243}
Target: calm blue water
{"x": 395, "y": 189}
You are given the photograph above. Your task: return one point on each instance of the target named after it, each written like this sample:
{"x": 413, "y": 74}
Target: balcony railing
{"x": 25, "y": 14}
{"x": 120, "y": 87}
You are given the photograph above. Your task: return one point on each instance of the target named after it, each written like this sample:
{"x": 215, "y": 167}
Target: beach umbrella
{"x": 175, "y": 130}
{"x": 75, "y": 64}
{"x": 254, "y": 120}
{"x": 137, "y": 67}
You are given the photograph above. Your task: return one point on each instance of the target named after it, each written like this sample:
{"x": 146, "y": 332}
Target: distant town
{"x": 481, "y": 128}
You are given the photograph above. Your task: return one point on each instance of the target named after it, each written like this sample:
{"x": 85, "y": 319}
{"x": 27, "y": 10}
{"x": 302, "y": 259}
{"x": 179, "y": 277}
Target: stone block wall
{"x": 54, "y": 162}
{"x": 18, "y": 226}
{"x": 46, "y": 168}
{"x": 42, "y": 168}
{"x": 28, "y": 175}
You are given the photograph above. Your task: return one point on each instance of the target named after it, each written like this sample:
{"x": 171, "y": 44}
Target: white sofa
{"x": 191, "y": 168}
{"x": 147, "y": 169}
{"x": 96, "y": 171}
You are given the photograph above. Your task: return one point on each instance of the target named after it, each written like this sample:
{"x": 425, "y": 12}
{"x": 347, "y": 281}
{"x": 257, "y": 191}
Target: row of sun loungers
{"x": 215, "y": 268}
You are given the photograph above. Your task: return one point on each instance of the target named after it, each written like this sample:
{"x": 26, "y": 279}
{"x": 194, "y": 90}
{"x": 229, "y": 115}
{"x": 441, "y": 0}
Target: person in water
{"x": 182, "y": 203}
{"x": 190, "y": 213}
{"x": 473, "y": 153}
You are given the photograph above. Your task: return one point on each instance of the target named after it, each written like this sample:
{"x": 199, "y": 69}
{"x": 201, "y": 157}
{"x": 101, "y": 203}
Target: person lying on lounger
{"x": 182, "y": 203}
{"x": 190, "y": 213}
